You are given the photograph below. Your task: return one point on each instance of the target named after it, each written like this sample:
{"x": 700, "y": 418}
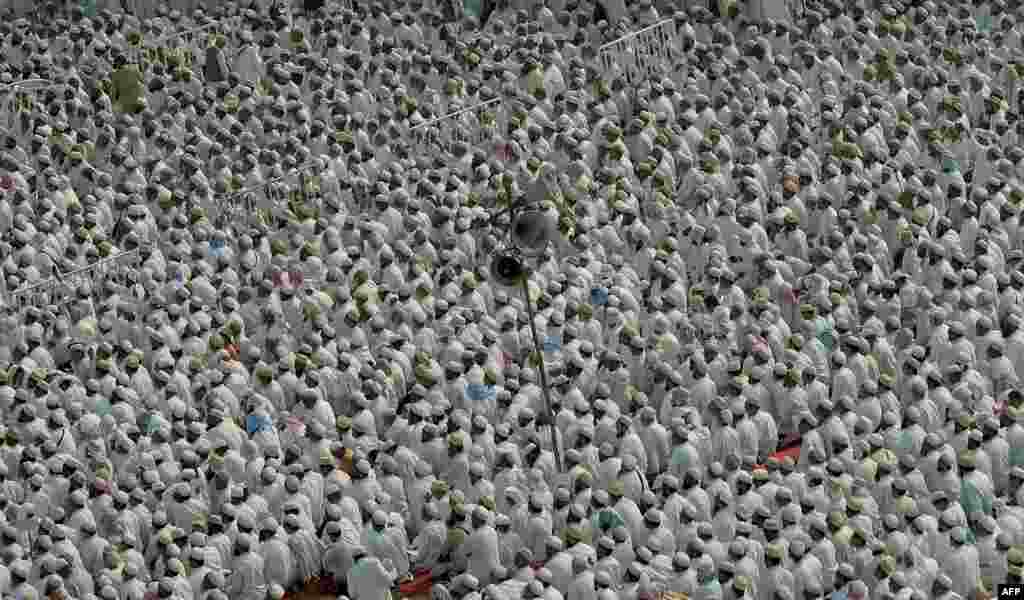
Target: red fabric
{"x": 328, "y": 587}
{"x": 290, "y": 279}
{"x": 421, "y": 582}
{"x": 791, "y": 440}
{"x": 792, "y": 452}
{"x": 790, "y": 448}
{"x": 504, "y": 152}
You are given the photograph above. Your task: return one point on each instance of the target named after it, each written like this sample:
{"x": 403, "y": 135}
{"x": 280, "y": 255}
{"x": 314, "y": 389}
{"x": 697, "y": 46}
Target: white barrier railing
{"x": 642, "y": 54}
{"x": 474, "y": 125}
{"x": 19, "y": 97}
{"x": 243, "y": 203}
{"x": 1012, "y": 87}
{"x": 52, "y": 290}
{"x": 188, "y": 41}
{"x": 190, "y": 36}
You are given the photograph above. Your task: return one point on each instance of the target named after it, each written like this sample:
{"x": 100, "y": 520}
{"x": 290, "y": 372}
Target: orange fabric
{"x": 315, "y": 589}
{"x": 346, "y": 462}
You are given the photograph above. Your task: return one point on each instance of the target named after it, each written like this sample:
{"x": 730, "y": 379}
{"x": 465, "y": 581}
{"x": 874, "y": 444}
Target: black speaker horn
{"x": 508, "y": 269}
{"x": 533, "y": 230}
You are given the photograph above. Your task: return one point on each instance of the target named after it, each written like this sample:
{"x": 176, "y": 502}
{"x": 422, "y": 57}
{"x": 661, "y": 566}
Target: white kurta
{"x": 482, "y": 547}
{"x": 369, "y": 580}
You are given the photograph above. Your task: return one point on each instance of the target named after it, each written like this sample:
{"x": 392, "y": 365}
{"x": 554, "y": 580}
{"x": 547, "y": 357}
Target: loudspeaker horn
{"x": 533, "y": 230}
{"x": 508, "y": 269}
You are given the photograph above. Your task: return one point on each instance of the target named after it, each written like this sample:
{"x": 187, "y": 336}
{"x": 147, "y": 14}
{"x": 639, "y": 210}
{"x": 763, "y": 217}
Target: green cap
{"x": 439, "y": 488}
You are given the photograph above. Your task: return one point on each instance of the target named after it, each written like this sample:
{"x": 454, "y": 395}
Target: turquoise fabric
{"x": 606, "y": 520}
{"x": 103, "y": 407}
{"x": 825, "y": 335}
{"x": 680, "y": 458}
{"x": 972, "y": 500}
{"x": 906, "y": 441}
{"x": 473, "y": 8}
{"x": 1017, "y": 457}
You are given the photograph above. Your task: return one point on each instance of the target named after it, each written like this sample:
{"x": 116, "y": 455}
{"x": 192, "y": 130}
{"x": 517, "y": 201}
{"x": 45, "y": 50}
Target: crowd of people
{"x": 773, "y": 352}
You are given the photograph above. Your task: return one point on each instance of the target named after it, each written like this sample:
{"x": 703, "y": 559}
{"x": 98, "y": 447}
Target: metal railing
{"x": 642, "y": 54}
{"x": 444, "y": 131}
{"x": 23, "y": 296}
{"x": 137, "y": 53}
{"x": 243, "y": 202}
{"x": 27, "y": 86}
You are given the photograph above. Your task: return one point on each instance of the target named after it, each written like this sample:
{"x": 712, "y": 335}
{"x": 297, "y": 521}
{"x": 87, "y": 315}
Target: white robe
{"x": 278, "y": 562}
{"x": 483, "y": 551}
{"x": 249, "y": 66}
{"x": 369, "y": 579}
{"x": 388, "y": 546}
{"x": 308, "y": 551}
{"x": 247, "y": 580}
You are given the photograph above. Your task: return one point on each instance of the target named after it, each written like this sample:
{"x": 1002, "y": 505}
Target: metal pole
{"x": 543, "y": 374}
{"x": 53, "y": 281}
{"x": 454, "y": 114}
